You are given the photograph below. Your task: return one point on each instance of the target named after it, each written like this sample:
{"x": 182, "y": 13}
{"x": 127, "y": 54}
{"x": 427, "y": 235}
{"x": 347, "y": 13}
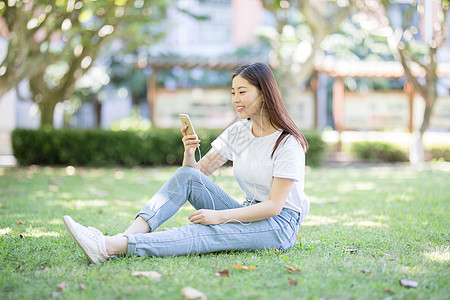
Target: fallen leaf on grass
{"x": 61, "y": 286}
{"x": 243, "y": 267}
{"x": 148, "y": 274}
{"x": 351, "y": 250}
{"x": 21, "y": 236}
{"x": 190, "y": 293}
{"x": 103, "y": 278}
{"x": 388, "y": 290}
{"x": 221, "y": 274}
{"x": 20, "y": 222}
{"x": 409, "y": 283}
{"x": 293, "y": 269}
{"x": 292, "y": 282}
{"x": 82, "y": 287}
{"x": 365, "y": 271}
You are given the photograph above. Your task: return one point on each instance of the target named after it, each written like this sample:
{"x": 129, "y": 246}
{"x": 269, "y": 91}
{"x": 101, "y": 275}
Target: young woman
{"x": 268, "y": 154}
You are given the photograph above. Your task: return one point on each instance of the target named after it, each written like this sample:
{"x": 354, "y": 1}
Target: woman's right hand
{"x": 190, "y": 142}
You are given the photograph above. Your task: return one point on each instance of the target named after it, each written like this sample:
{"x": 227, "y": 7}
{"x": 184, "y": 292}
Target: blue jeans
{"x": 278, "y": 232}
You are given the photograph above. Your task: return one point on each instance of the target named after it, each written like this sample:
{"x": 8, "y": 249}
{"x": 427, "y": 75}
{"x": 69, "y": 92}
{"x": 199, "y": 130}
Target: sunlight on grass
{"x": 312, "y": 220}
{"x": 441, "y": 255}
{"x": 365, "y": 224}
{"x": 55, "y": 222}
{"x": 352, "y": 186}
{"x": 322, "y": 200}
{"x": 5, "y": 230}
{"x": 34, "y": 232}
{"x": 124, "y": 203}
{"x": 401, "y": 197}
{"x": 80, "y": 204}
{"x": 125, "y": 215}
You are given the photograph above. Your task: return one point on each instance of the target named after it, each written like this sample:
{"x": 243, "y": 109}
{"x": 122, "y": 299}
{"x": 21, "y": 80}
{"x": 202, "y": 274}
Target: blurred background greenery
{"x": 342, "y": 66}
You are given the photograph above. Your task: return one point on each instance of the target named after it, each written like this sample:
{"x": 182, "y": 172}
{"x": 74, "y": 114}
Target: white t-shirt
{"x": 254, "y": 169}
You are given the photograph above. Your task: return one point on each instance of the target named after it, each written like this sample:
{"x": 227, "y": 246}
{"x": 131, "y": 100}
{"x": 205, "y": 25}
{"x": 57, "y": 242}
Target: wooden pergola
{"x": 333, "y": 68}
{"x": 368, "y": 69}
{"x": 158, "y": 64}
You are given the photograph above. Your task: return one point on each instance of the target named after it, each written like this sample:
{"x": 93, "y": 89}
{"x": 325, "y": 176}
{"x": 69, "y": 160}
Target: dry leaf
{"x": 243, "y": 267}
{"x": 276, "y": 251}
{"x": 103, "y": 278}
{"x": 82, "y": 287}
{"x": 148, "y": 274}
{"x": 61, "y": 286}
{"x": 351, "y": 250}
{"x": 292, "y": 282}
{"x": 21, "y": 236}
{"x": 190, "y": 293}
{"x": 293, "y": 269}
{"x": 20, "y": 222}
{"x": 365, "y": 271}
{"x": 221, "y": 274}
{"x": 388, "y": 290}
{"x": 409, "y": 283}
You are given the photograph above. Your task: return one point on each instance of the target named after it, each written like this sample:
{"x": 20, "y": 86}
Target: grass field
{"x": 368, "y": 229}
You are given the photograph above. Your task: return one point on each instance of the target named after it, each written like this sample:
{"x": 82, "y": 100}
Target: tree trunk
{"x": 47, "y": 108}
{"x": 417, "y": 152}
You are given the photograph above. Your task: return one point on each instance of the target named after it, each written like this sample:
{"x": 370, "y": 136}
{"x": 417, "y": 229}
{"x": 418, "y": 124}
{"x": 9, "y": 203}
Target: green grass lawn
{"x": 368, "y": 229}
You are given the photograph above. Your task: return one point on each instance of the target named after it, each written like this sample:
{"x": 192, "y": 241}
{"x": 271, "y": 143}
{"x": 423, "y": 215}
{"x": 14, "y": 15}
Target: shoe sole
{"x": 67, "y": 220}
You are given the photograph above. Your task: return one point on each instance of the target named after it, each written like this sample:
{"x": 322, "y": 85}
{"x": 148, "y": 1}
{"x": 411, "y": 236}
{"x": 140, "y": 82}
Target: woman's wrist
{"x": 189, "y": 160}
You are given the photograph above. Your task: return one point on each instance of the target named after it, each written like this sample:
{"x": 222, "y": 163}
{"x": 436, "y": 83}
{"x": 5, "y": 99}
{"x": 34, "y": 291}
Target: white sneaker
{"x": 90, "y": 240}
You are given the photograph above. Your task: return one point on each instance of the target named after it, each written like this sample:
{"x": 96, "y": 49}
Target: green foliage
{"x": 379, "y": 151}
{"x": 134, "y": 123}
{"x": 97, "y": 147}
{"x": 85, "y": 30}
{"x": 439, "y": 152}
{"x": 316, "y": 149}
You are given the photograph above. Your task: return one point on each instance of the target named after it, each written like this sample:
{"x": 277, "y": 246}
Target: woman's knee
{"x": 185, "y": 170}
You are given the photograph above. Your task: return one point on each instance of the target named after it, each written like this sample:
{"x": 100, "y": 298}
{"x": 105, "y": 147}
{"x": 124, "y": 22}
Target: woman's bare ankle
{"x": 116, "y": 245}
{"x": 139, "y": 225}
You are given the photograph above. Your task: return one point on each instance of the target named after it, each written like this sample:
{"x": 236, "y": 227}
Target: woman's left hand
{"x": 205, "y": 217}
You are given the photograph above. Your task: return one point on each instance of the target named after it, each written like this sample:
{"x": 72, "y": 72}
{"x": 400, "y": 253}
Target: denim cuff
{"x": 131, "y": 248}
{"x": 152, "y": 223}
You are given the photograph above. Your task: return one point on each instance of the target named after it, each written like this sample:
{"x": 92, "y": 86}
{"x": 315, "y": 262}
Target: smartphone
{"x": 185, "y": 120}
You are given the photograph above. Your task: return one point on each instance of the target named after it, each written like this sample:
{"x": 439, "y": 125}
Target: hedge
{"x": 96, "y": 147}
{"x": 379, "y": 151}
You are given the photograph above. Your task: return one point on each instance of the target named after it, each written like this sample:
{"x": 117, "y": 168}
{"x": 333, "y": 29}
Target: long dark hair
{"x": 260, "y": 76}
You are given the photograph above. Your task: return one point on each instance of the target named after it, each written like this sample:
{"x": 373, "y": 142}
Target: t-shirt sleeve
{"x": 289, "y": 160}
{"x": 222, "y": 144}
